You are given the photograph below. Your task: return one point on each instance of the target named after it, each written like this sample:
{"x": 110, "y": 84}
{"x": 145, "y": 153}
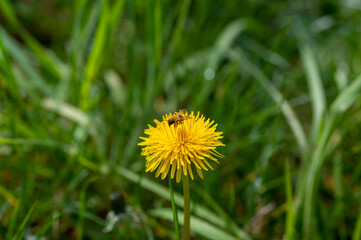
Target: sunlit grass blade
{"x": 344, "y": 100}
{"x": 223, "y": 43}
{"x": 347, "y": 97}
{"x": 7, "y": 72}
{"x": 211, "y": 59}
{"x": 96, "y": 55}
{"x": 163, "y": 192}
{"x": 67, "y": 111}
{"x": 285, "y": 107}
{"x": 37, "y": 142}
{"x": 316, "y": 90}
{"x": 82, "y": 30}
{"x": 118, "y": 90}
{"x": 26, "y": 63}
{"x": 311, "y": 178}
{"x": 109, "y": 18}
{"x": 340, "y": 76}
{"x": 357, "y": 231}
{"x": 199, "y": 226}
{"x": 219, "y": 211}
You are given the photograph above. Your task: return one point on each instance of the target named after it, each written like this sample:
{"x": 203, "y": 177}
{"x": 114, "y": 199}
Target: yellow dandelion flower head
{"x": 179, "y": 142}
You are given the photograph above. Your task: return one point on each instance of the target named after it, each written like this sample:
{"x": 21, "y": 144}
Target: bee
{"x": 177, "y": 118}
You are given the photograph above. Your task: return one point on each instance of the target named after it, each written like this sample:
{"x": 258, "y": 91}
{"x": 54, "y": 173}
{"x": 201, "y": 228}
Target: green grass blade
{"x": 176, "y": 35}
{"x": 309, "y": 222}
{"x": 157, "y": 33}
{"x": 224, "y": 42}
{"x": 82, "y": 29}
{"x": 289, "y": 201}
{"x": 6, "y": 69}
{"x": 357, "y": 231}
{"x": 207, "y": 199}
{"x": 347, "y": 97}
{"x": 178, "y": 199}
{"x": 338, "y": 215}
{"x": 21, "y": 230}
{"x": 26, "y": 63}
{"x": 198, "y": 225}
{"x": 340, "y": 76}
{"x": 96, "y": 54}
{"x": 285, "y": 107}
{"x": 10, "y": 231}
{"x": 81, "y": 210}
{"x": 9, "y": 13}
{"x": 67, "y": 111}
{"x": 337, "y": 173}
{"x": 174, "y": 210}
{"x": 8, "y": 196}
{"x": 31, "y": 42}
{"x": 46, "y": 228}
{"x": 37, "y": 142}
{"x": 117, "y": 10}
{"x": 118, "y": 90}
{"x": 316, "y": 90}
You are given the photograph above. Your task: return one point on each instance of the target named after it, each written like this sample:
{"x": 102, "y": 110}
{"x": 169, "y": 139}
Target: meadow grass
{"x": 80, "y": 80}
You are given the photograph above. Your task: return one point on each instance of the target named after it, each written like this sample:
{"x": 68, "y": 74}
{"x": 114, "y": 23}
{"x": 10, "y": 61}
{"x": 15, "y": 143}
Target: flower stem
{"x": 187, "y": 212}
{"x": 174, "y": 209}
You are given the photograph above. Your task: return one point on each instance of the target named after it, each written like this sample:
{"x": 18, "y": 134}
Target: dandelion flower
{"x": 178, "y": 143}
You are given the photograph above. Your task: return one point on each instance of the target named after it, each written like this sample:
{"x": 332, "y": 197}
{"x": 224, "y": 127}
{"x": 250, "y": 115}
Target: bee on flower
{"x": 180, "y": 143}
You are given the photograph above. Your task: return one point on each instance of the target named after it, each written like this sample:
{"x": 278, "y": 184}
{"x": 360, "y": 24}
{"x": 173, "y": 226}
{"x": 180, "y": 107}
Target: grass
{"x": 80, "y": 80}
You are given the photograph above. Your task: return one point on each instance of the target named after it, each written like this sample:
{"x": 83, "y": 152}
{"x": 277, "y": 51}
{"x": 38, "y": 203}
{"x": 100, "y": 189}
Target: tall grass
{"x": 282, "y": 80}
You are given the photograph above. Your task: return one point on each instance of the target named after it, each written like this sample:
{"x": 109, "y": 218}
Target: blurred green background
{"x": 80, "y": 80}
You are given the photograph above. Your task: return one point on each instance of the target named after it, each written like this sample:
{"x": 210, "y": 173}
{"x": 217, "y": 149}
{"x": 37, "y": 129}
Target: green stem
{"x": 174, "y": 209}
{"x": 187, "y": 212}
